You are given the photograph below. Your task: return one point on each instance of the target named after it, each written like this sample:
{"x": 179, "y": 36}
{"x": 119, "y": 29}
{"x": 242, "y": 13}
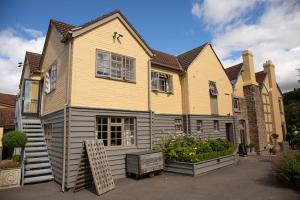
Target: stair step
{"x": 32, "y": 125}
{"x": 36, "y": 154}
{"x": 43, "y": 148}
{"x": 31, "y": 144}
{"x": 34, "y": 134}
{"x": 37, "y": 165}
{"x": 33, "y": 160}
{"x": 34, "y": 139}
{"x": 38, "y": 179}
{"x": 32, "y": 130}
{"x": 37, "y": 172}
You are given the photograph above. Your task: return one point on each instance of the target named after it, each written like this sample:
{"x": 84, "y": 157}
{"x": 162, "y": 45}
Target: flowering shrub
{"x": 288, "y": 166}
{"x": 190, "y": 149}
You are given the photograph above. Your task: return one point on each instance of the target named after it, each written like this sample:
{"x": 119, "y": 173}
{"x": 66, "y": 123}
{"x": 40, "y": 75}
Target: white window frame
{"x": 51, "y": 78}
{"x": 48, "y": 135}
{"x": 199, "y": 125}
{"x": 216, "y": 125}
{"x": 236, "y": 104}
{"x": 157, "y": 78}
{"x": 213, "y": 88}
{"x": 127, "y": 66}
{"x": 127, "y": 126}
{"x": 178, "y": 125}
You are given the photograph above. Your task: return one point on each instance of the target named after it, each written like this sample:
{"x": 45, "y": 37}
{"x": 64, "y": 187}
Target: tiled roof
{"x": 185, "y": 59}
{"x": 8, "y": 99}
{"x": 33, "y": 60}
{"x": 180, "y": 62}
{"x": 63, "y": 28}
{"x": 165, "y": 60}
{"x": 7, "y": 117}
{"x": 233, "y": 71}
{"x": 260, "y": 76}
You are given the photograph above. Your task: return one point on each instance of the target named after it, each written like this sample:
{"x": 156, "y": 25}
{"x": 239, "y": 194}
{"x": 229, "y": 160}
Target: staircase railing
{"x": 19, "y": 126}
{"x": 23, "y": 166}
{"x": 18, "y": 114}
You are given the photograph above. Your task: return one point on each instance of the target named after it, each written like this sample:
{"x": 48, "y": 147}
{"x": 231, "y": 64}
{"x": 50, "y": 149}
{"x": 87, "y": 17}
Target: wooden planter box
{"x": 195, "y": 169}
{"x": 142, "y": 163}
{"x": 10, "y": 178}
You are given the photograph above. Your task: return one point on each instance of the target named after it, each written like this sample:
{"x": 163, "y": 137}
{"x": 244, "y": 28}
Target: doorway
{"x": 242, "y": 132}
{"x": 229, "y": 132}
{"x": 30, "y": 100}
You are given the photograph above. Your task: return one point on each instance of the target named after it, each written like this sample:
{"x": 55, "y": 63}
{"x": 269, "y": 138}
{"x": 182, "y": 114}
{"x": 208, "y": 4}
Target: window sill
{"x": 112, "y": 148}
{"x": 114, "y": 79}
{"x": 51, "y": 91}
{"x": 237, "y": 111}
{"x": 159, "y": 91}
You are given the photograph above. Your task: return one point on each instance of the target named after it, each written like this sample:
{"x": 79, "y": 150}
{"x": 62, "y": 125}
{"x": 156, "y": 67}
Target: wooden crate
{"x": 143, "y": 163}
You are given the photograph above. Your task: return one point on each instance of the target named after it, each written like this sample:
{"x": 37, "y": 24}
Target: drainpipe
{"x": 149, "y": 101}
{"x": 64, "y": 150}
{"x": 68, "y": 91}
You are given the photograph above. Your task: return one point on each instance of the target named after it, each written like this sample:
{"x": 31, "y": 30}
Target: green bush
{"x": 288, "y": 165}
{"x": 295, "y": 142}
{"x": 188, "y": 149}
{"x": 16, "y": 158}
{"x": 14, "y": 139}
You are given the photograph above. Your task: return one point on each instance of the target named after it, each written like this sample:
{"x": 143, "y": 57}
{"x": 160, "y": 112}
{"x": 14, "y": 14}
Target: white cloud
{"x": 196, "y": 10}
{"x": 220, "y": 13}
{"x": 274, "y": 35}
{"x": 12, "y": 51}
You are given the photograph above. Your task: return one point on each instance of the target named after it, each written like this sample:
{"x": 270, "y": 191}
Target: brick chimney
{"x": 248, "y": 68}
{"x": 269, "y": 68}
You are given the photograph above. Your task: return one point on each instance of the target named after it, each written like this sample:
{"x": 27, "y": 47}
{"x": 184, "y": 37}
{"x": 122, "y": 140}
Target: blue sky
{"x": 269, "y": 28}
{"x": 165, "y": 25}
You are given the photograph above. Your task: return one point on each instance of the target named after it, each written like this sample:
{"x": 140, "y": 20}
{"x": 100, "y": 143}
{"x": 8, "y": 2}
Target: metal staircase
{"x": 37, "y": 167}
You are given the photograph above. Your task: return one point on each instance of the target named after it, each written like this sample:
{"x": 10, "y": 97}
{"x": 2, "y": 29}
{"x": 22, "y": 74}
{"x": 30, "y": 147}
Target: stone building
{"x": 257, "y": 103}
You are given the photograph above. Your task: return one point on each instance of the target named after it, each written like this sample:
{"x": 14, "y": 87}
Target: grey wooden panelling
{"x": 208, "y": 125}
{"x": 82, "y": 127}
{"x": 164, "y": 126}
{"x": 56, "y": 151}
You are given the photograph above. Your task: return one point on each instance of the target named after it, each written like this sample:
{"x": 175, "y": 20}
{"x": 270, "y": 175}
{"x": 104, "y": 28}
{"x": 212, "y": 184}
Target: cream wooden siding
{"x": 55, "y": 52}
{"x": 275, "y": 112}
{"x": 167, "y": 103}
{"x": 238, "y": 89}
{"x": 26, "y": 75}
{"x": 267, "y": 112}
{"x": 91, "y": 91}
{"x": 205, "y": 68}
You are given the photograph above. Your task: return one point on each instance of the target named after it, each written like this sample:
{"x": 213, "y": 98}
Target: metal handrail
{"x": 19, "y": 126}
{"x": 23, "y": 166}
{"x": 18, "y": 114}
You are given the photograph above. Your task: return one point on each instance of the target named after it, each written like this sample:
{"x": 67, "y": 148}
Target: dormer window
{"x": 161, "y": 82}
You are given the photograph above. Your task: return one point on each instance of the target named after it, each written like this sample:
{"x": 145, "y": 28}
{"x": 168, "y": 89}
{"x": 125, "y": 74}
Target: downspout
{"x": 67, "y": 103}
{"x": 149, "y": 101}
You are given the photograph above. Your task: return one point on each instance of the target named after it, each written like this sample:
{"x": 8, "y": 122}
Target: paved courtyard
{"x": 250, "y": 179}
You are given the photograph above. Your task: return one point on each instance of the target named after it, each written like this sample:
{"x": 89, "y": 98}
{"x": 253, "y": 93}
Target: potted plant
{"x": 10, "y": 170}
{"x": 252, "y": 148}
{"x": 276, "y": 148}
{"x": 248, "y": 148}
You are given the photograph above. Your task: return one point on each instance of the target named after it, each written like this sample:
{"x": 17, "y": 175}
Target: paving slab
{"x": 249, "y": 180}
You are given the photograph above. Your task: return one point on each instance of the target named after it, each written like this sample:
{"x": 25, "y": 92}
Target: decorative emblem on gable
{"x": 117, "y": 36}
